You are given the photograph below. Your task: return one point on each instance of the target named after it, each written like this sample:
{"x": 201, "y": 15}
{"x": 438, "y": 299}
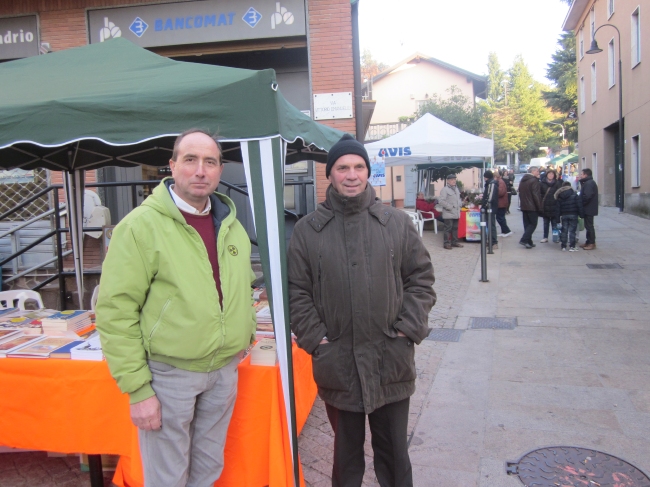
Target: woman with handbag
{"x": 548, "y": 188}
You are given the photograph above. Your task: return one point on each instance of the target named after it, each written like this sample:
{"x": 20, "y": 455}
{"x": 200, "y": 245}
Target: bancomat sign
{"x": 18, "y": 37}
{"x": 198, "y": 22}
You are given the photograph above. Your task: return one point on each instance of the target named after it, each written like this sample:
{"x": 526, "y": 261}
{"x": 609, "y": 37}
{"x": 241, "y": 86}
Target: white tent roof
{"x": 430, "y": 140}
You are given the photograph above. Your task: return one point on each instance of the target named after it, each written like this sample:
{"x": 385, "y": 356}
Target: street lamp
{"x": 594, "y": 49}
{"x": 561, "y": 125}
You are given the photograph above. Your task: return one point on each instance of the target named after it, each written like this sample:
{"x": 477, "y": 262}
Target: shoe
{"x": 447, "y": 247}
{"x": 544, "y": 240}
{"x": 522, "y": 243}
{"x": 495, "y": 246}
{"x": 505, "y": 234}
{"x": 589, "y": 247}
{"x": 572, "y": 249}
{"x": 564, "y": 249}
{"x": 529, "y": 246}
{"x": 582, "y": 246}
{"x": 460, "y": 246}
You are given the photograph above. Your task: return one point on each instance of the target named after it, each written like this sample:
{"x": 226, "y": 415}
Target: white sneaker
{"x": 573, "y": 249}
{"x": 563, "y": 249}
{"x": 544, "y": 240}
{"x": 505, "y": 234}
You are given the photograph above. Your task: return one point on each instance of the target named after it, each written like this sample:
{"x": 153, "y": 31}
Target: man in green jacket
{"x": 174, "y": 314}
{"x": 360, "y": 290}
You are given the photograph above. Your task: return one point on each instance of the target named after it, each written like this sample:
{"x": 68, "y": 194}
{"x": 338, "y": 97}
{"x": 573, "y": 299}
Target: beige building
{"x": 599, "y": 83}
{"x": 398, "y": 92}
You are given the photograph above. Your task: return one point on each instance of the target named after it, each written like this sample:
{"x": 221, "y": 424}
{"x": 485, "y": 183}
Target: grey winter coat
{"x": 450, "y": 202}
{"x": 358, "y": 274}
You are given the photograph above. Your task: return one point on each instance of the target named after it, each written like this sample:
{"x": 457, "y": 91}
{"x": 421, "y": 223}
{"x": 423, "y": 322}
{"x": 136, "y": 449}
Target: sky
{"x": 463, "y": 32}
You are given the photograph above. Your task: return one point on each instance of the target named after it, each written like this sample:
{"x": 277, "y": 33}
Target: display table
{"x": 74, "y": 406}
{"x": 462, "y": 224}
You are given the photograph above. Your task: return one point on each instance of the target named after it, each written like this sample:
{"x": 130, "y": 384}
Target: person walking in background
{"x": 530, "y": 201}
{"x": 589, "y": 195}
{"x": 548, "y": 187}
{"x": 503, "y": 203}
{"x": 450, "y": 202}
{"x": 568, "y": 208}
{"x": 491, "y": 202}
{"x": 510, "y": 183}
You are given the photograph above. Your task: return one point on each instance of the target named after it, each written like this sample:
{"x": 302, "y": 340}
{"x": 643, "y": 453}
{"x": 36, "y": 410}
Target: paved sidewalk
{"x": 575, "y": 371}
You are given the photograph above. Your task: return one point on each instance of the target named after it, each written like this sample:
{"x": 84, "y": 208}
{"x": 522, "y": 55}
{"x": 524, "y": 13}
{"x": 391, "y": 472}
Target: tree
{"x": 563, "y": 98}
{"x": 518, "y": 118}
{"x": 369, "y": 66}
{"x": 456, "y": 109}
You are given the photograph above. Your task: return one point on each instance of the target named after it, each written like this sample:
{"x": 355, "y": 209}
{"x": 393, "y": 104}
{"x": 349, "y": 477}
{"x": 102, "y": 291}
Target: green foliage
{"x": 563, "y": 97}
{"x": 516, "y": 110}
{"x": 456, "y": 109}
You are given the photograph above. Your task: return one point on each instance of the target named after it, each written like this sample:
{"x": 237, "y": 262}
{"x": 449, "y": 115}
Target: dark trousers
{"x": 451, "y": 230}
{"x": 530, "y": 224}
{"x": 501, "y": 219}
{"x": 569, "y": 227}
{"x": 591, "y": 231}
{"x": 492, "y": 226}
{"x": 388, "y": 426}
{"x": 552, "y": 222}
{"x": 509, "y": 201}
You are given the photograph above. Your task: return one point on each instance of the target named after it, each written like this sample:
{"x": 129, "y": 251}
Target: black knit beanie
{"x": 488, "y": 174}
{"x": 347, "y": 145}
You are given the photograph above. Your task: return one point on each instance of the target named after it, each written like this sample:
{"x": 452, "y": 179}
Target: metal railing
{"x": 59, "y": 210}
{"x": 380, "y": 131}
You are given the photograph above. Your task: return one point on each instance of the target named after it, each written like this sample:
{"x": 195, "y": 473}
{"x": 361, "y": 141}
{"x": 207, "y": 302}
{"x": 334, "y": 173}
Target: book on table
{"x": 264, "y": 352}
{"x": 71, "y": 320}
{"x": 9, "y": 313}
{"x": 91, "y": 349}
{"x": 8, "y": 333}
{"x": 64, "y": 351}
{"x": 29, "y": 326}
{"x": 14, "y": 344}
{"x": 41, "y": 348}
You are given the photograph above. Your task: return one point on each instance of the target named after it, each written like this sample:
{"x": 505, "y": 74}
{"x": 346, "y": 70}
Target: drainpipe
{"x": 356, "y": 63}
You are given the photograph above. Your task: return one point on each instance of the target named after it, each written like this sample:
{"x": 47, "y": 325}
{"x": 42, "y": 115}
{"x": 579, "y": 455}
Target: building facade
{"x": 599, "y": 82}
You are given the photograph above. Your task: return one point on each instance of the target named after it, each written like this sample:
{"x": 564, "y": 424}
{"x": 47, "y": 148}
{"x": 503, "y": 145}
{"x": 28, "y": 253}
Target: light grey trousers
{"x": 196, "y": 411}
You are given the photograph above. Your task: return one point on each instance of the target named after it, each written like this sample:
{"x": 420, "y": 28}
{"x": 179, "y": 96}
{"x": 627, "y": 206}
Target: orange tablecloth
{"x": 74, "y": 406}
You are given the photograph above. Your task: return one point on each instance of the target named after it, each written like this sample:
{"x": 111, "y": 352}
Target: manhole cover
{"x": 493, "y": 323}
{"x": 444, "y": 335}
{"x": 604, "y": 266}
{"x": 568, "y": 466}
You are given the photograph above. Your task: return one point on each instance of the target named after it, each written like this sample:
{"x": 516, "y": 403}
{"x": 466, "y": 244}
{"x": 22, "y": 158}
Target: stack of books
{"x": 8, "y": 313}
{"x": 7, "y": 333}
{"x": 72, "y": 320}
{"x": 91, "y": 349}
{"x": 264, "y": 352}
{"x": 41, "y": 348}
{"x": 264, "y": 321}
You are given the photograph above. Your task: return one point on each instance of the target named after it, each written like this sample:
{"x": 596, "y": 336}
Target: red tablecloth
{"x": 75, "y": 406}
{"x": 462, "y": 225}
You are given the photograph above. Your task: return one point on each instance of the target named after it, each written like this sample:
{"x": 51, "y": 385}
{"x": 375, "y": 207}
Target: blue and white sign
{"x": 169, "y": 24}
{"x": 252, "y": 17}
{"x": 138, "y": 27}
{"x": 377, "y": 171}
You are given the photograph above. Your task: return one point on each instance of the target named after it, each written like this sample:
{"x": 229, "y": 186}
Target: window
{"x": 636, "y": 36}
{"x": 611, "y": 63}
{"x": 594, "y": 166}
{"x": 636, "y": 162}
{"x": 610, "y": 8}
{"x": 592, "y": 24}
{"x": 583, "y": 163}
{"x": 593, "y": 82}
{"x": 582, "y": 94}
{"x": 581, "y": 38}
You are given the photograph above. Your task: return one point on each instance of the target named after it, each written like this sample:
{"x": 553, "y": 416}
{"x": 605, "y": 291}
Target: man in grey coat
{"x": 450, "y": 203}
{"x": 360, "y": 291}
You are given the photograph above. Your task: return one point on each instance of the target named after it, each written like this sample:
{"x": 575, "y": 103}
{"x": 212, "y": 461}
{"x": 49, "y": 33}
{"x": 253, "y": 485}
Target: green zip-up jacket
{"x": 157, "y": 295}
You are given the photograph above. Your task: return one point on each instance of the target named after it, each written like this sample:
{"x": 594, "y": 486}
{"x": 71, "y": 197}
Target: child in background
{"x": 569, "y": 208}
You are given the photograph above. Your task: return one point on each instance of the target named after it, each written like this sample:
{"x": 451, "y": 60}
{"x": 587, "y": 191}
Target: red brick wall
{"x": 330, "y": 45}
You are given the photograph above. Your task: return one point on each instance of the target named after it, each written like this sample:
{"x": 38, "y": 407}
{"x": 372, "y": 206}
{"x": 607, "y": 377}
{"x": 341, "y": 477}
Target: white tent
{"x": 430, "y": 140}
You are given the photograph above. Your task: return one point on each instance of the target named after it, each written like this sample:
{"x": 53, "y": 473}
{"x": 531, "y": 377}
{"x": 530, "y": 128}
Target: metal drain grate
{"x": 604, "y": 266}
{"x": 492, "y": 323}
{"x": 444, "y": 335}
{"x": 568, "y": 465}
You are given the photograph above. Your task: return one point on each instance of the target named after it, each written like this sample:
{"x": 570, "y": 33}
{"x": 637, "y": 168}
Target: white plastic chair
{"x": 17, "y": 298}
{"x": 429, "y": 219}
{"x": 417, "y": 221}
{"x": 93, "y": 298}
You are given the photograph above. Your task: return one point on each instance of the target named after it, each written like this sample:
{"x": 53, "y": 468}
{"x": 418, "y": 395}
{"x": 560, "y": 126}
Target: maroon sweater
{"x": 205, "y": 226}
